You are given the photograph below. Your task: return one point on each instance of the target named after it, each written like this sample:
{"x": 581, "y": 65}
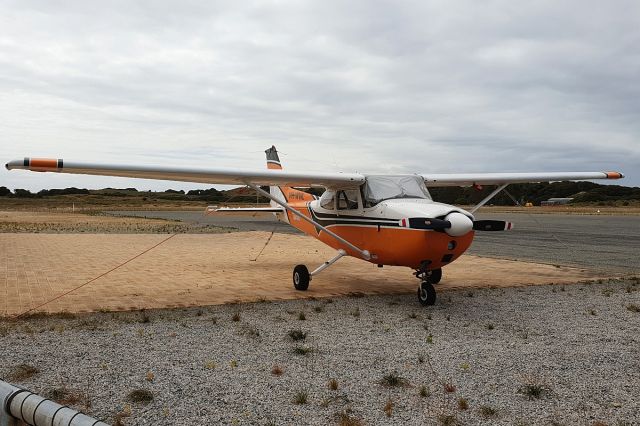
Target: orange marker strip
{"x": 43, "y": 163}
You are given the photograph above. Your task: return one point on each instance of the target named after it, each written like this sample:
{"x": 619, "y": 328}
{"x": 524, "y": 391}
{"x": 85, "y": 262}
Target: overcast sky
{"x": 369, "y": 86}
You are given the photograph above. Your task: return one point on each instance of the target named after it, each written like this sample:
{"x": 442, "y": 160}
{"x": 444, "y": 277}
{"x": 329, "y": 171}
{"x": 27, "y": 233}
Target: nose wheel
{"x": 426, "y": 294}
{"x": 428, "y": 277}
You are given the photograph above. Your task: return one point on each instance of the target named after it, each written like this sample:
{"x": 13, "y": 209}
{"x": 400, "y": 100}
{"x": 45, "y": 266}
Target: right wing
{"x": 212, "y": 176}
{"x": 469, "y": 179}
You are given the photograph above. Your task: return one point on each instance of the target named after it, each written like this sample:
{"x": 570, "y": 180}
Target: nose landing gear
{"x": 428, "y": 277}
{"x": 426, "y": 294}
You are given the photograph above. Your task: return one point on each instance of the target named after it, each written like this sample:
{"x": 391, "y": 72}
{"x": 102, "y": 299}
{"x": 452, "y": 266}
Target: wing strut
{"x": 364, "y": 253}
{"x": 488, "y": 198}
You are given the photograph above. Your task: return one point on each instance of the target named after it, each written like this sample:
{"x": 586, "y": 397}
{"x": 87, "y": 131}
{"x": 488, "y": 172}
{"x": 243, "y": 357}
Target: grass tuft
{"x": 22, "y": 372}
{"x": 424, "y": 392}
{"x": 301, "y": 397}
{"x": 393, "y": 379}
{"x": 276, "y": 370}
{"x": 302, "y": 316}
{"x": 302, "y": 350}
{"x": 447, "y": 419}
{"x": 236, "y": 317}
{"x": 533, "y": 387}
{"x": 463, "y": 404}
{"x": 487, "y": 411}
{"x": 333, "y": 384}
{"x": 297, "y": 335}
{"x": 388, "y": 408}
{"x": 633, "y": 308}
{"x": 141, "y": 396}
{"x": 345, "y": 419}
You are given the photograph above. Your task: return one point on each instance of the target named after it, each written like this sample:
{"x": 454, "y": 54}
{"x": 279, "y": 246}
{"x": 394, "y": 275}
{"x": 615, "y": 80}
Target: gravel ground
{"x": 536, "y": 355}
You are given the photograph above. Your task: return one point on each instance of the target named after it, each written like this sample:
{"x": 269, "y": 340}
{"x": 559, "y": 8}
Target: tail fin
{"x": 283, "y": 193}
{"x": 273, "y": 161}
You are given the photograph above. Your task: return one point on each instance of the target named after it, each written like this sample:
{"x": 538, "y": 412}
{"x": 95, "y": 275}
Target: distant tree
{"x": 4, "y": 191}
{"x": 23, "y": 193}
{"x": 173, "y": 191}
{"x": 65, "y": 191}
{"x": 205, "y": 192}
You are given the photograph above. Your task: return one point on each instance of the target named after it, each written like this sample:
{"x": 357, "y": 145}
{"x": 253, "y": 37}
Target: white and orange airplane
{"x": 383, "y": 219}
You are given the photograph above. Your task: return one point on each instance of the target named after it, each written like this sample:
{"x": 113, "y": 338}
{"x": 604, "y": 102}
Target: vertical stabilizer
{"x": 273, "y": 161}
{"x": 283, "y": 193}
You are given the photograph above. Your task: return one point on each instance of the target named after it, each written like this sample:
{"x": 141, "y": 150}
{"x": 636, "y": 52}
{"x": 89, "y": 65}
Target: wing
{"x": 456, "y": 179}
{"x": 212, "y": 176}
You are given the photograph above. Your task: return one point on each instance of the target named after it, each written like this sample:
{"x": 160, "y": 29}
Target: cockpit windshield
{"x": 380, "y": 188}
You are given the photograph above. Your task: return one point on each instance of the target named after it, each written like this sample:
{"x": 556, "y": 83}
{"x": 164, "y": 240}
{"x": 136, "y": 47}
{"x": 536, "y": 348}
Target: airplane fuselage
{"x": 380, "y": 231}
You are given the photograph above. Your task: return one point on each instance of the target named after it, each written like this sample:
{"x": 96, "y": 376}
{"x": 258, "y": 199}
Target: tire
{"x": 426, "y": 294}
{"x": 301, "y": 277}
{"x": 436, "y": 276}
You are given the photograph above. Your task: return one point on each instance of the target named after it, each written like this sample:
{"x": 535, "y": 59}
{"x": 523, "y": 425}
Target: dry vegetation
{"x": 66, "y": 222}
{"x": 21, "y": 372}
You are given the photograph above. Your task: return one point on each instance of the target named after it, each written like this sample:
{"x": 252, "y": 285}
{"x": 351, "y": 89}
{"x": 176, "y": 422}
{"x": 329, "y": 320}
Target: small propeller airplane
{"x": 382, "y": 219}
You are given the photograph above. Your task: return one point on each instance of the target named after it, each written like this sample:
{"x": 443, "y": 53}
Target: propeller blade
{"x": 492, "y": 225}
{"x": 425, "y": 223}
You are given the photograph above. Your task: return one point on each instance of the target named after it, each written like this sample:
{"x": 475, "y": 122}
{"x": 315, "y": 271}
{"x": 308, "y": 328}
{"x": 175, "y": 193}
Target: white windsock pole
{"x": 20, "y": 406}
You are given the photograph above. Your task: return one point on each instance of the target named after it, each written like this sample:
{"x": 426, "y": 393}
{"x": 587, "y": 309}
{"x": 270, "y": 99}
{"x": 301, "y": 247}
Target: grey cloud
{"x": 374, "y": 86}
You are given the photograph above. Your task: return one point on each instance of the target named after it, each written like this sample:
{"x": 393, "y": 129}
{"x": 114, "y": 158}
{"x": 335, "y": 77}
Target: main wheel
{"x": 301, "y": 277}
{"x": 435, "y": 276}
{"x": 426, "y": 294}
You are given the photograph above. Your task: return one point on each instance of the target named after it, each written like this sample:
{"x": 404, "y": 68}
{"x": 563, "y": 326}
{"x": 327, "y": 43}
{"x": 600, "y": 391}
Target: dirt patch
{"x": 192, "y": 270}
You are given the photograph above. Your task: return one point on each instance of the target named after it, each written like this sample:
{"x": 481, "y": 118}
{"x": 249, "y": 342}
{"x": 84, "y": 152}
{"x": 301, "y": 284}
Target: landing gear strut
{"x": 302, "y": 276}
{"x": 428, "y": 277}
{"x": 435, "y": 275}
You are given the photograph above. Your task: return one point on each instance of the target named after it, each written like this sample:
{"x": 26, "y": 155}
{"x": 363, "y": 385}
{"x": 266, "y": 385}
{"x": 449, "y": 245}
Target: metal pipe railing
{"x": 23, "y": 407}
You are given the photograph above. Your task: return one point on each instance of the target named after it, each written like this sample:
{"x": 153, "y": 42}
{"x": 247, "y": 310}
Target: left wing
{"x": 469, "y": 179}
{"x": 213, "y": 176}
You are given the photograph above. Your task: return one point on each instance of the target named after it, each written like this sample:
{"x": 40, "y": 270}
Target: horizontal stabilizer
{"x": 216, "y": 209}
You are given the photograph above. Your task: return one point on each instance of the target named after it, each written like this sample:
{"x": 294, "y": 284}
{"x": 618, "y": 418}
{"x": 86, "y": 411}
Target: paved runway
{"x": 608, "y": 244}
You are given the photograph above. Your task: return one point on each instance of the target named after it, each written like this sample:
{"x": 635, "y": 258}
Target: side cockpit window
{"x": 348, "y": 199}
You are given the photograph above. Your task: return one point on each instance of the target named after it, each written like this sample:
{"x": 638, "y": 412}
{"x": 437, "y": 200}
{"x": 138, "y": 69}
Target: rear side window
{"x": 327, "y": 201}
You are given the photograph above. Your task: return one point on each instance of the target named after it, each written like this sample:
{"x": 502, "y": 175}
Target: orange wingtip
{"x": 43, "y": 163}
{"x": 614, "y": 175}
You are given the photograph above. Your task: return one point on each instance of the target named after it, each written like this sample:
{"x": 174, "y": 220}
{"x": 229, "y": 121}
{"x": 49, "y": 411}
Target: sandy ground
{"x": 191, "y": 269}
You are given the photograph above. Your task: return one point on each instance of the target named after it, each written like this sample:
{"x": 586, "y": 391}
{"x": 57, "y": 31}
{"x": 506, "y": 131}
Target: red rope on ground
{"x": 93, "y": 279}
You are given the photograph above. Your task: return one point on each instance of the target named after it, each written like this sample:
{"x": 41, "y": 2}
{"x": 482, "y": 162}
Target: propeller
{"x": 426, "y": 223}
{"x": 455, "y": 224}
{"x": 492, "y": 225}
